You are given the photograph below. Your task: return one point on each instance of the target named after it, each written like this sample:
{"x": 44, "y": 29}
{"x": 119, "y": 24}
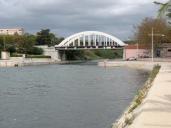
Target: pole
{"x": 137, "y": 50}
{"x": 152, "y": 46}
{"x": 4, "y": 42}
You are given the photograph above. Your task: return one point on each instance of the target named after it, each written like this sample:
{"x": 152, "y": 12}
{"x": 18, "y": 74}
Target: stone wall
{"x": 50, "y": 51}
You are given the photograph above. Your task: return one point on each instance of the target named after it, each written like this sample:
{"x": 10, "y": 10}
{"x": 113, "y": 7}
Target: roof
{"x": 135, "y": 46}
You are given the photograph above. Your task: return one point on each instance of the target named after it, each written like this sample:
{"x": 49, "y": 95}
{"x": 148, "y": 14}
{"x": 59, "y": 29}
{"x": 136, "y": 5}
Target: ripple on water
{"x": 65, "y": 96}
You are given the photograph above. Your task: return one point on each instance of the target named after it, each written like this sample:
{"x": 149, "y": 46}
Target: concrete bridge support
{"x": 61, "y": 55}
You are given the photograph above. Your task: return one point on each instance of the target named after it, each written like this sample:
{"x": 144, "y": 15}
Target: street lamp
{"x": 4, "y": 43}
{"x": 152, "y": 42}
{"x": 4, "y": 40}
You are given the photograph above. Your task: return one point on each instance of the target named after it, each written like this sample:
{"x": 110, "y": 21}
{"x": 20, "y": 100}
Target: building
{"x": 164, "y": 51}
{"x": 136, "y": 51}
{"x": 19, "y": 31}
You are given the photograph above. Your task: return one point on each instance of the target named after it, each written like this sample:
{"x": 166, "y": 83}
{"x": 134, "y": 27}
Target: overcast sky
{"x": 66, "y": 17}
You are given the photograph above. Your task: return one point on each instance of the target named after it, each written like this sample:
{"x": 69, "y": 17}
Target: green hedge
{"x": 16, "y": 55}
{"x": 37, "y": 56}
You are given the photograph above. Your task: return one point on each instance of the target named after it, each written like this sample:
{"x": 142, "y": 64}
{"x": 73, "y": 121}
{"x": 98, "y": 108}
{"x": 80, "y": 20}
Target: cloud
{"x": 65, "y": 17}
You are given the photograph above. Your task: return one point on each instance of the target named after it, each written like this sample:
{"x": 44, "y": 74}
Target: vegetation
{"x": 159, "y": 25}
{"x": 93, "y": 54}
{"x": 25, "y": 44}
{"x": 163, "y": 9}
{"x": 16, "y": 55}
{"x": 45, "y": 37}
{"x": 144, "y": 30}
{"x": 17, "y": 43}
{"x": 37, "y": 56}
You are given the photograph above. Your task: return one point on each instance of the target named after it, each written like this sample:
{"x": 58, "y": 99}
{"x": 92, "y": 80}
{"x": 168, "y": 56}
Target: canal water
{"x": 66, "y": 96}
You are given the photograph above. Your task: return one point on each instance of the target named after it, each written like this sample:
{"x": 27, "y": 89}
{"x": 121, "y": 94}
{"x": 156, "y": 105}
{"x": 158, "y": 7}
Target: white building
{"x": 19, "y": 31}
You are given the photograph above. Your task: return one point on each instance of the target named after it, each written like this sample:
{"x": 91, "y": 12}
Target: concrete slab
{"x": 155, "y": 112}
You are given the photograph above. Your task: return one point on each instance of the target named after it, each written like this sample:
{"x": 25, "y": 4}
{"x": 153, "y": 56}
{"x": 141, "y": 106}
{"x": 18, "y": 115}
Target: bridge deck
{"x": 88, "y": 48}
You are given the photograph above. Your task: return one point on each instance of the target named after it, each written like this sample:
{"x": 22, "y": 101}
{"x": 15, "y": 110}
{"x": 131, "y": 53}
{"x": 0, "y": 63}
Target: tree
{"x": 143, "y": 31}
{"x": 6, "y": 42}
{"x": 163, "y": 9}
{"x": 24, "y": 43}
{"x": 45, "y": 37}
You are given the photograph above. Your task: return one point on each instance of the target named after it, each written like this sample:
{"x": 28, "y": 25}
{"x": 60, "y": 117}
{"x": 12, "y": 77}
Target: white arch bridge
{"x": 90, "y": 40}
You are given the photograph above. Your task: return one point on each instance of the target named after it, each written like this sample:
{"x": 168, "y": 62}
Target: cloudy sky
{"x": 66, "y": 17}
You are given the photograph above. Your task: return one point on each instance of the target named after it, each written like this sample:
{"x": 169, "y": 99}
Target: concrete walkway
{"x": 155, "y": 112}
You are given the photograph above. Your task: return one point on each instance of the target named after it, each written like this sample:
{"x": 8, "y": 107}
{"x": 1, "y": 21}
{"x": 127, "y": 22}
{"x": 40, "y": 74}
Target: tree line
{"x": 26, "y": 43}
{"x": 161, "y": 28}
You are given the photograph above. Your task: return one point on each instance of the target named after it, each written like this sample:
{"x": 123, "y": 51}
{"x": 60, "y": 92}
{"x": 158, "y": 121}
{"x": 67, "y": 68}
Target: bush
{"x": 74, "y": 55}
{"x": 11, "y": 49}
{"x": 37, "y": 56}
{"x": 16, "y": 55}
{"x": 35, "y": 51}
{"x": 109, "y": 54}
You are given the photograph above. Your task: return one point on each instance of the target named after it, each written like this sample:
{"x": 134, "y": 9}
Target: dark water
{"x": 65, "y": 96}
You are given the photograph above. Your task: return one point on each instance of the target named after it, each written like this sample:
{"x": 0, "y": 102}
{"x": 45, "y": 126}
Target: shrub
{"x": 16, "y": 55}
{"x": 37, "y": 56}
{"x": 11, "y": 49}
{"x": 35, "y": 51}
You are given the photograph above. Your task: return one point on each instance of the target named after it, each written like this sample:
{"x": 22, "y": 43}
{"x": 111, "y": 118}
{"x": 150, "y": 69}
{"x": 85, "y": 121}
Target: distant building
{"x": 136, "y": 51}
{"x": 19, "y": 31}
{"x": 164, "y": 51}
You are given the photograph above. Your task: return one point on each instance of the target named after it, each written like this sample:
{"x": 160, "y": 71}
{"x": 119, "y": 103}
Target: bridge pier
{"x": 61, "y": 55}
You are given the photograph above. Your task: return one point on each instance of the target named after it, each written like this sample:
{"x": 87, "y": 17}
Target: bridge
{"x": 88, "y": 40}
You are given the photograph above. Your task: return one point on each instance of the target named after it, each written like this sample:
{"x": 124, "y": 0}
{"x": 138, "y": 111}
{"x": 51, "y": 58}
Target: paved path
{"x": 155, "y": 111}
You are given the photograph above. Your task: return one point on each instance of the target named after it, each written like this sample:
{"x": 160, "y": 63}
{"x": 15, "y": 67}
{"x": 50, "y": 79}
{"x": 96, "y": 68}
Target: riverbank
{"x": 17, "y": 62}
{"x": 142, "y": 64}
{"x": 153, "y": 110}
{"x": 128, "y": 116}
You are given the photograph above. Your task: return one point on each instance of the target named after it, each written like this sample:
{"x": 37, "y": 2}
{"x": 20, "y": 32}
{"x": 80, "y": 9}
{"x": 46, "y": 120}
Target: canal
{"x": 66, "y": 96}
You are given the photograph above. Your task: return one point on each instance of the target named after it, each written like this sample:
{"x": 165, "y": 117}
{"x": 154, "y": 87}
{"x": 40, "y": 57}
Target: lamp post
{"x": 152, "y": 42}
{"x": 137, "y": 50}
{"x": 4, "y": 43}
{"x": 152, "y": 45}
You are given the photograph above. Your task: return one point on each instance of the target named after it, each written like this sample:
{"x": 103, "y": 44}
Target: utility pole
{"x": 137, "y": 50}
{"x": 4, "y": 43}
{"x": 152, "y": 45}
{"x": 152, "y": 42}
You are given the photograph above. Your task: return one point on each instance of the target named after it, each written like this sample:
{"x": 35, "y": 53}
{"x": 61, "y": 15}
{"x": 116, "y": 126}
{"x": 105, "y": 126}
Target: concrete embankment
{"x": 19, "y": 61}
{"x": 146, "y": 65}
{"x": 25, "y": 62}
{"x": 155, "y": 109}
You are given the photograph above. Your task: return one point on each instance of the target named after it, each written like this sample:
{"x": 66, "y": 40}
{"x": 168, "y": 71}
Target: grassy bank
{"x": 128, "y": 116}
{"x": 94, "y": 54}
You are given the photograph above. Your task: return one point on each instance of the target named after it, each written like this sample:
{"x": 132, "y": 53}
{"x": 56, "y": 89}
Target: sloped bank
{"x": 128, "y": 116}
